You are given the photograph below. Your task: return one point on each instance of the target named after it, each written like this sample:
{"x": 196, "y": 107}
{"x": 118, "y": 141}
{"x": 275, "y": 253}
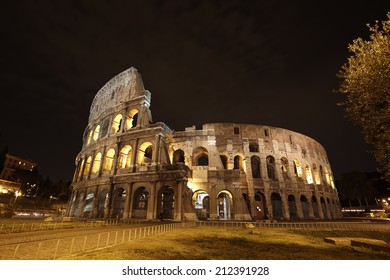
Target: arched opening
{"x": 87, "y": 167}
{"x": 309, "y": 177}
{"x": 292, "y": 207}
{"x": 166, "y": 203}
{"x": 297, "y": 168}
{"x": 201, "y": 203}
{"x": 125, "y": 157}
{"x": 140, "y": 203}
{"x": 314, "y": 205}
{"x": 201, "y": 157}
{"x": 116, "y": 124}
{"x": 324, "y": 208}
{"x": 305, "y": 207}
{"x": 224, "y": 160}
{"x": 271, "y": 168}
{"x": 253, "y": 147}
{"x": 102, "y": 203}
{"x": 225, "y": 205}
{"x": 259, "y": 206}
{"x": 88, "y": 204}
{"x": 238, "y": 163}
{"x": 276, "y": 202}
{"x": 145, "y": 154}
{"x": 119, "y": 203}
{"x": 90, "y": 135}
{"x": 255, "y": 165}
{"x": 96, "y": 133}
{"x": 284, "y": 167}
{"x": 132, "y": 119}
{"x": 81, "y": 169}
{"x": 316, "y": 173}
{"x": 96, "y": 163}
{"x": 178, "y": 156}
{"x": 109, "y": 159}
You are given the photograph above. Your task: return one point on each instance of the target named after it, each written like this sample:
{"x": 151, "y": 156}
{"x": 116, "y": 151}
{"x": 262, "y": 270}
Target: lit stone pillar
{"x": 285, "y": 206}
{"x": 153, "y": 202}
{"x": 310, "y": 207}
{"x": 268, "y": 205}
{"x": 156, "y": 150}
{"x": 178, "y": 201}
{"x": 213, "y": 204}
{"x": 107, "y": 208}
{"x": 320, "y": 210}
{"x": 126, "y": 212}
{"x": 95, "y": 202}
{"x": 134, "y": 155}
{"x": 298, "y": 204}
{"x": 83, "y": 203}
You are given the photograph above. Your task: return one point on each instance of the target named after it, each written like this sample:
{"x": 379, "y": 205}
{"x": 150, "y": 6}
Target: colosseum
{"x": 130, "y": 167}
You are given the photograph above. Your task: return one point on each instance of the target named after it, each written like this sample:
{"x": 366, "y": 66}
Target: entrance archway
{"x": 276, "y": 202}
{"x": 259, "y": 206}
{"x": 292, "y": 207}
{"x": 314, "y": 204}
{"x": 102, "y": 203}
{"x": 201, "y": 203}
{"x": 166, "y": 202}
{"x": 140, "y": 203}
{"x": 119, "y": 203}
{"x": 225, "y": 205}
{"x": 305, "y": 207}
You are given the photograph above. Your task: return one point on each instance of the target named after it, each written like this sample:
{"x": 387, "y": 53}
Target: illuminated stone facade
{"x": 132, "y": 168}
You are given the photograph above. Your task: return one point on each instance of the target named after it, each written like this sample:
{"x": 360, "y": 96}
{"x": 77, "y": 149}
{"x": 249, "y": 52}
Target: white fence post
{"x": 55, "y": 252}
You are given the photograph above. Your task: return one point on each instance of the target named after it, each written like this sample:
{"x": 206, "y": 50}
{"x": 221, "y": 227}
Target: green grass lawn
{"x": 212, "y": 243}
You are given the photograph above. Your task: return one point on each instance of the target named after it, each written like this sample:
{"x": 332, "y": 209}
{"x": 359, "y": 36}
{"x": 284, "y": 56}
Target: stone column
{"x": 126, "y": 211}
{"x": 213, "y": 203}
{"x": 95, "y": 203}
{"x": 178, "y": 199}
{"x": 285, "y": 206}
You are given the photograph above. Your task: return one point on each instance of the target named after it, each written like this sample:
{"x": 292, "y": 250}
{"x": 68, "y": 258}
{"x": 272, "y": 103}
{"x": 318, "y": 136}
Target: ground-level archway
{"x": 201, "y": 203}
{"x": 259, "y": 202}
{"x": 140, "y": 203}
{"x": 225, "y": 205}
{"x": 118, "y": 201}
{"x": 166, "y": 203}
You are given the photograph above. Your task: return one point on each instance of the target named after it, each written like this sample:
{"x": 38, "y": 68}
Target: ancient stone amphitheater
{"x": 133, "y": 168}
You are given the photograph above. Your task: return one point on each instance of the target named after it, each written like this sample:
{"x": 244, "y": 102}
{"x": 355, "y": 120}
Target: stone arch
{"x": 284, "y": 167}
{"x": 314, "y": 205}
{"x": 224, "y": 161}
{"x": 178, "y": 156}
{"x": 116, "y": 124}
{"x": 297, "y": 168}
{"x": 118, "y": 201}
{"x": 225, "y": 205}
{"x": 201, "y": 157}
{"x": 96, "y": 163}
{"x": 140, "y": 203}
{"x": 201, "y": 203}
{"x": 238, "y": 163}
{"x": 292, "y": 207}
{"x": 132, "y": 118}
{"x": 125, "y": 157}
{"x": 309, "y": 176}
{"x": 305, "y": 207}
{"x": 109, "y": 159}
{"x": 276, "y": 202}
{"x": 88, "y": 204}
{"x": 271, "y": 170}
{"x": 145, "y": 153}
{"x": 259, "y": 202}
{"x": 166, "y": 203}
{"x": 316, "y": 173}
{"x": 255, "y": 165}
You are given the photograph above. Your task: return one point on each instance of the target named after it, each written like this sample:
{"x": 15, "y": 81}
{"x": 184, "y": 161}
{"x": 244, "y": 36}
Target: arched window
{"x": 87, "y": 166}
{"x": 132, "y": 119}
{"x": 116, "y": 124}
{"x": 96, "y": 163}
{"x": 96, "y": 133}
{"x": 271, "y": 168}
{"x": 297, "y": 168}
{"x": 81, "y": 169}
{"x": 308, "y": 174}
{"x": 284, "y": 166}
{"x": 316, "y": 174}
{"x": 255, "y": 165}
{"x": 145, "y": 153}
{"x": 253, "y": 147}
{"x": 201, "y": 157}
{"x": 125, "y": 157}
{"x": 109, "y": 159}
{"x": 238, "y": 163}
{"x": 178, "y": 156}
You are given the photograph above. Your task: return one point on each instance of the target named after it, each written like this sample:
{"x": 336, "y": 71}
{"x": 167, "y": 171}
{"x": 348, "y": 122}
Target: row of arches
{"x": 118, "y": 124}
{"x": 97, "y": 164}
{"x": 311, "y": 174}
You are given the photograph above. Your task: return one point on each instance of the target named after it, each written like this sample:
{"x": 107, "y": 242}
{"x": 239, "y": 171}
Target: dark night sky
{"x": 264, "y": 62}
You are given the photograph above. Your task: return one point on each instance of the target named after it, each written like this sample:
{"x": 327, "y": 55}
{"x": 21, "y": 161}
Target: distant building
{"x": 13, "y": 163}
{"x": 132, "y": 168}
